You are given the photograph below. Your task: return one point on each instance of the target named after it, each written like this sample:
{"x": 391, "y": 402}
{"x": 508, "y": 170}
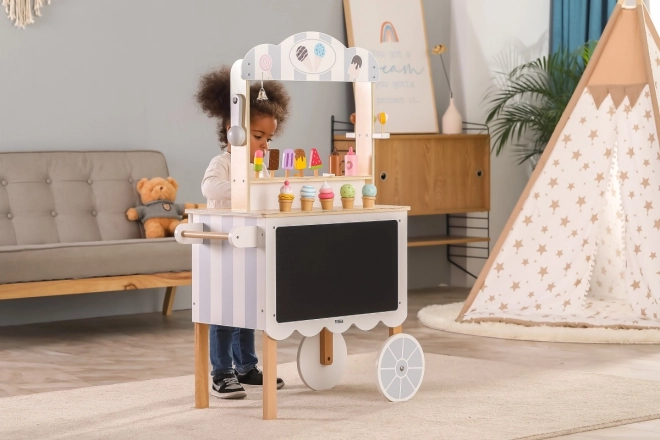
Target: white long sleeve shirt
{"x": 216, "y": 185}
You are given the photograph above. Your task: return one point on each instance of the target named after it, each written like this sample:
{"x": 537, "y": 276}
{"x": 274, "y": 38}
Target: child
{"x": 233, "y": 355}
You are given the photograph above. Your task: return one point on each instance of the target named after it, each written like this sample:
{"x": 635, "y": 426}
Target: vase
{"x": 452, "y": 122}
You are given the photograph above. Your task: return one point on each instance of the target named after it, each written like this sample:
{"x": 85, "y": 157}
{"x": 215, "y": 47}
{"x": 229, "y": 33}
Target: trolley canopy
{"x": 310, "y": 56}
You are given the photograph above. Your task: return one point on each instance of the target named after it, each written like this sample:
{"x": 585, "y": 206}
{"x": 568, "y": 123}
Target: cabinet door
{"x": 435, "y": 174}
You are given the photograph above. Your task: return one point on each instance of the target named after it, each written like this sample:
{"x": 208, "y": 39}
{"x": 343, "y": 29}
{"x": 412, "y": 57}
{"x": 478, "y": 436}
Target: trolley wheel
{"x": 316, "y": 376}
{"x": 400, "y": 367}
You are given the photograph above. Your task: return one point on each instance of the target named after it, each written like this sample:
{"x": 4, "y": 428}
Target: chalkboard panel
{"x": 335, "y": 270}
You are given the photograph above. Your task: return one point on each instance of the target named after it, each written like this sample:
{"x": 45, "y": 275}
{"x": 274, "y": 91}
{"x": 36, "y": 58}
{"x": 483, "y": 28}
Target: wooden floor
{"x": 65, "y": 355}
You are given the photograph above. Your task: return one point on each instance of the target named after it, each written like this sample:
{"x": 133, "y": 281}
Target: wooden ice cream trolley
{"x": 317, "y": 271}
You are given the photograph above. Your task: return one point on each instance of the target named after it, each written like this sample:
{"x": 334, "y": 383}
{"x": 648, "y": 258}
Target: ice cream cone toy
{"x": 287, "y": 161}
{"x": 347, "y": 193}
{"x": 258, "y": 162}
{"x": 326, "y": 196}
{"x": 286, "y": 197}
{"x": 307, "y": 196}
{"x": 300, "y": 161}
{"x": 273, "y": 161}
{"x": 369, "y": 192}
{"x": 315, "y": 162}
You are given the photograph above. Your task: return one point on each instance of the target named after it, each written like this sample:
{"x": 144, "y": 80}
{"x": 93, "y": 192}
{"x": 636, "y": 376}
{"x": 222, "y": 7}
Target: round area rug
{"x": 443, "y": 317}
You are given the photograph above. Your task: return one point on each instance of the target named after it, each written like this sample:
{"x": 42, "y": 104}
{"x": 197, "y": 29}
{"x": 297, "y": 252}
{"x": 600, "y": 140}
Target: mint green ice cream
{"x": 369, "y": 190}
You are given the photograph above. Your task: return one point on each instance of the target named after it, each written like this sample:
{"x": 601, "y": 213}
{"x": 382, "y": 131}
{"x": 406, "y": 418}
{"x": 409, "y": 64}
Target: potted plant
{"x": 526, "y": 108}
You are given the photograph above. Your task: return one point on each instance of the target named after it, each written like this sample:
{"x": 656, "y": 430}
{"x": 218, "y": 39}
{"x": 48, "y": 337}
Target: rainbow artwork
{"x": 388, "y": 33}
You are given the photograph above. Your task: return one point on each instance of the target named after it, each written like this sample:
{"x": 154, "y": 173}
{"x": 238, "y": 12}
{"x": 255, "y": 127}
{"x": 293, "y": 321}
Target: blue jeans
{"x": 231, "y": 348}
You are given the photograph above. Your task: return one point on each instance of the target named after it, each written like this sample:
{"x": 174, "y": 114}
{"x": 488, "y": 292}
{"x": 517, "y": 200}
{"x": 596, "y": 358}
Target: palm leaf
{"x": 527, "y": 107}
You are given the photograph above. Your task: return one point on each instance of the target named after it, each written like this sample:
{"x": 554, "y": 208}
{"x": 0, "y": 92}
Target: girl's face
{"x": 262, "y": 130}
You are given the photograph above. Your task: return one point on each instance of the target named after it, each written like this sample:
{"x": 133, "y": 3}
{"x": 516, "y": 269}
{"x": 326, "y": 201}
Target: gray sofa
{"x": 63, "y": 226}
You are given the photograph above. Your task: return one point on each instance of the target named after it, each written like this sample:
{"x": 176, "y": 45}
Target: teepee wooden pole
{"x": 643, "y": 16}
{"x": 542, "y": 161}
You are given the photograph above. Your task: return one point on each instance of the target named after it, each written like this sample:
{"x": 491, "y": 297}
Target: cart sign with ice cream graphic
{"x": 318, "y": 60}
{"x": 310, "y": 56}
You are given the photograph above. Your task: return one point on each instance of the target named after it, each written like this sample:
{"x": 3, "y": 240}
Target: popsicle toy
{"x": 300, "y": 162}
{"x": 273, "y": 161}
{"x": 315, "y": 162}
{"x": 287, "y": 161}
{"x": 382, "y": 119}
{"x": 258, "y": 162}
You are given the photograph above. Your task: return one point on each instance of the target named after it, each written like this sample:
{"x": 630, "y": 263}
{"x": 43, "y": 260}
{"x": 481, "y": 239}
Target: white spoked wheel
{"x": 315, "y": 375}
{"x": 400, "y": 367}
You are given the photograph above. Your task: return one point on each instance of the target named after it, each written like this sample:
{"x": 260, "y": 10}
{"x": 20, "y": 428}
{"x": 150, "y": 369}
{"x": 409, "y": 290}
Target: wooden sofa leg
{"x": 168, "y": 302}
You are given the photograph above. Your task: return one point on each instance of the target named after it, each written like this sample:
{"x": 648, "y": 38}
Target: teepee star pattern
{"x": 583, "y": 250}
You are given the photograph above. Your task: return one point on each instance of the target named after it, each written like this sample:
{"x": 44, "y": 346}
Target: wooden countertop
{"x": 297, "y": 212}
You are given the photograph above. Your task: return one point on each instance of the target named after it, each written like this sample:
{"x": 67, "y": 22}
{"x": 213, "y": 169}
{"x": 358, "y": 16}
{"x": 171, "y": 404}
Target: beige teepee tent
{"x": 582, "y": 247}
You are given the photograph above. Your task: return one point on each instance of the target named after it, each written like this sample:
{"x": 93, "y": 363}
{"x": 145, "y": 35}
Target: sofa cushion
{"x": 72, "y": 196}
{"x": 92, "y": 259}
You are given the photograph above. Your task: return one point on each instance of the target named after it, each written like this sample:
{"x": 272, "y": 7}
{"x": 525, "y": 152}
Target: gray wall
{"x": 122, "y": 74}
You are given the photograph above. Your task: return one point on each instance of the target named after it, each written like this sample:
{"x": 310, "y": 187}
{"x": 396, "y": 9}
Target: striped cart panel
{"x": 228, "y": 283}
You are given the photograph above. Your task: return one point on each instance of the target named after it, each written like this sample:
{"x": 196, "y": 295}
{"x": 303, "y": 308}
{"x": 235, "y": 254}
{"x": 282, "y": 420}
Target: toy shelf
{"x": 311, "y": 179}
{"x": 441, "y": 240}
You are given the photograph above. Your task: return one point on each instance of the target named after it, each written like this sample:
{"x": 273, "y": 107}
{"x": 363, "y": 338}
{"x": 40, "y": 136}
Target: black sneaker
{"x": 255, "y": 377}
{"x": 226, "y": 386}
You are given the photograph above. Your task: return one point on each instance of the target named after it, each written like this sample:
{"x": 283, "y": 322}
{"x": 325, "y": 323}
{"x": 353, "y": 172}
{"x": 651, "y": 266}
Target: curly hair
{"x": 213, "y": 97}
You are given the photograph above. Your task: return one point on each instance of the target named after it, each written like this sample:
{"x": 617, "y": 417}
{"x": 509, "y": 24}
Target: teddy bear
{"x": 160, "y": 215}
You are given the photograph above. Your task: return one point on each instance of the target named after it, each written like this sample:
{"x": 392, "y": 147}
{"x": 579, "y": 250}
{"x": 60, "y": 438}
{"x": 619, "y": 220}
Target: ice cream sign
{"x": 312, "y": 56}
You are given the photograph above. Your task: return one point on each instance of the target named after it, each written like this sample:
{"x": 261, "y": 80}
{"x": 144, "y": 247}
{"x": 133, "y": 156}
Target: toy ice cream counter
{"x": 313, "y": 254}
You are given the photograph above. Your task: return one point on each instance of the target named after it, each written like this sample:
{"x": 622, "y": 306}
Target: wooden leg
{"x": 326, "y": 346}
{"x": 270, "y": 378}
{"x": 201, "y": 365}
{"x": 168, "y": 302}
{"x": 395, "y": 330}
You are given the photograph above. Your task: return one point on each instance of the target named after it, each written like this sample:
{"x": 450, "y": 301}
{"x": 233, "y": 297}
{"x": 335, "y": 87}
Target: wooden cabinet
{"x": 433, "y": 174}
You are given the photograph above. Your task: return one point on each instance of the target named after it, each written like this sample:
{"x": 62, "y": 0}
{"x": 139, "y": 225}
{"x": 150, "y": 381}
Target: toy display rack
{"x": 242, "y": 257}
